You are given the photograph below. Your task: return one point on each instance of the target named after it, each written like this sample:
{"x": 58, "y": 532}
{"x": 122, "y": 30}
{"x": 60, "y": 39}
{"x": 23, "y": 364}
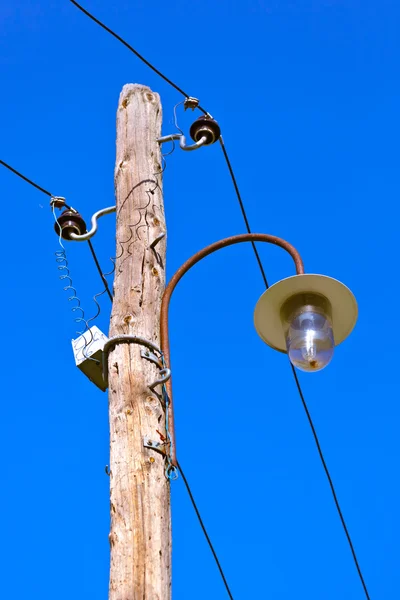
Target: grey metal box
{"x": 88, "y": 354}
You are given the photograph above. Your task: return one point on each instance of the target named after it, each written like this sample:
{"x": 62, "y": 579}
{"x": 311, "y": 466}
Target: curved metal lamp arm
{"x": 236, "y": 239}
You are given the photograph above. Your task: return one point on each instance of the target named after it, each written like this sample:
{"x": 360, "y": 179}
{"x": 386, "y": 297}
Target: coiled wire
{"x": 135, "y": 227}
{"x": 62, "y": 265}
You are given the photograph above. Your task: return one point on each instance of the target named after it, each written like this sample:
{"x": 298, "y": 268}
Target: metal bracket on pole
{"x": 152, "y": 358}
{"x": 153, "y": 245}
{"x": 166, "y": 374}
{"x": 154, "y": 445}
{"x": 86, "y": 236}
{"x": 157, "y": 240}
{"x": 130, "y": 339}
{"x": 182, "y": 141}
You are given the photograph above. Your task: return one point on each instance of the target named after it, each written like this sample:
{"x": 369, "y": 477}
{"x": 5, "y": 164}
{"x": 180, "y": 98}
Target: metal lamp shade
{"x": 267, "y": 314}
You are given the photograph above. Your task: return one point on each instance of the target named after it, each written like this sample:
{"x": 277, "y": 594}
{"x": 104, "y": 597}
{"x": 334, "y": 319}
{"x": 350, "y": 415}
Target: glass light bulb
{"x": 309, "y": 339}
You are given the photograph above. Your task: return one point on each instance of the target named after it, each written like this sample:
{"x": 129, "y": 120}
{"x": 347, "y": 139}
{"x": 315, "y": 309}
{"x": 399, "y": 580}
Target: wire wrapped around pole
{"x": 236, "y": 239}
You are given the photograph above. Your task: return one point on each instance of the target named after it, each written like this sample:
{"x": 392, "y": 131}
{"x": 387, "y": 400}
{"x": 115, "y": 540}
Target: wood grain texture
{"x": 140, "y": 536}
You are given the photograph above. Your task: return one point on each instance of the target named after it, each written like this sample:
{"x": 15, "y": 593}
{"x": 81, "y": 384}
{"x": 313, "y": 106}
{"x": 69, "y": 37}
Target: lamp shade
{"x": 267, "y": 314}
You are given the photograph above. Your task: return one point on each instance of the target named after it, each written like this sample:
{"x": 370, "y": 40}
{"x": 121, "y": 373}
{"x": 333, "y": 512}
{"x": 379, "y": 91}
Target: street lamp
{"x": 303, "y": 315}
{"x": 306, "y": 316}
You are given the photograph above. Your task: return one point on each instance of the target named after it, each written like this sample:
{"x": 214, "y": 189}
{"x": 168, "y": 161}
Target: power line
{"x": 321, "y": 455}
{"x": 185, "y": 481}
{"x": 44, "y": 191}
{"x": 111, "y": 298}
{"x": 99, "y": 270}
{"x": 203, "y": 527}
{"x": 232, "y": 174}
{"x": 242, "y": 208}
{"x": 135, "y": 52}
{"x": 301, "y": 394}
{"x": 238, "y": 194}
{"x": 38, "y": 187}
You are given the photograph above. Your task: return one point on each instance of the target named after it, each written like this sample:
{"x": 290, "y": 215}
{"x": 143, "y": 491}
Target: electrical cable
{"x": 242, "y": 208}
{"x": 44, "y": 191}
{"x": 230, "y": 168}
{"x": 63, "y": 265}
{"x": 234, "y": 181}
{"x": 299, "y": 388}
{"x": 321, "y": 455}
{"x": 107, "y": 289}
{"x": 189, "y": 491}
{"x": 38, "y": 187}
{"x": 135, "y": 52}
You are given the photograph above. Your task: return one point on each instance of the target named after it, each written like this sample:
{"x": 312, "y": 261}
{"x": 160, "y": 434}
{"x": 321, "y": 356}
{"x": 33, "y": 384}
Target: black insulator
{"x": 205, "y": 127}
{"x": 70, "y": 222}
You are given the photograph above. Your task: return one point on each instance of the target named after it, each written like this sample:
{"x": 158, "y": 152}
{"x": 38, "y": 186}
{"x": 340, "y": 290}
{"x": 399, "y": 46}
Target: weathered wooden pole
{"x": 140, "y": 536}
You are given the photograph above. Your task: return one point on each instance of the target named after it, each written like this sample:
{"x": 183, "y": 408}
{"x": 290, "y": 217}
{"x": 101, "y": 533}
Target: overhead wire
{"x": 38, "y": 187}
{"x": 135, "y": 52}
{"x": 243, "y": 210}
{"x": 44, "y": 191}
{"x": 234, "y": 181}
{"x": 102, "y": 275}
{"x": 263, "y": 274}
{"x": 331, "y": 484}
{"x": 31, "y": 182}
{"x": 111, "y": 297}
{"x": 202, "y": 525}
{"x": 189, "y": 491}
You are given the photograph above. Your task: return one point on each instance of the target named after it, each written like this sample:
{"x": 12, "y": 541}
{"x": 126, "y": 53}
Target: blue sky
{"x": 307, "y": 96}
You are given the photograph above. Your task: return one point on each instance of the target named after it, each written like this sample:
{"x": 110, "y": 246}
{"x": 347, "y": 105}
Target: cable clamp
{"x": 160, "y": 447}
{"x": 171, "y": 472}
{"x": 191, "y": 103}
{"x": 58, "y": 202}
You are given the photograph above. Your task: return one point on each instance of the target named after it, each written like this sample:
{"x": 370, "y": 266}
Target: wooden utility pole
{"x": 140, "y": 537}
